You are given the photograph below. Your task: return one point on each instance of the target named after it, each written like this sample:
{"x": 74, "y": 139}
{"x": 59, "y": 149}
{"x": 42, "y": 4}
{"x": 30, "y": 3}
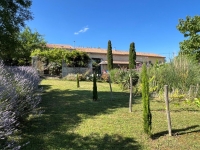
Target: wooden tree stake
{"x": 167, "y": 109}
{"x": 131, "y": 94}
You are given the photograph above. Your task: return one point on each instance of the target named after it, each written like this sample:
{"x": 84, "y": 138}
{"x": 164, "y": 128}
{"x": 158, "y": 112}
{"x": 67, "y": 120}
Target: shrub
{"x": 86, "y": 75}
{"x": 114, "y": 75}
{"x": 54, "y": 68}
{"x": 122, "y": 77}
{"x": 105, "y": 77}
{"x": 19, "y": 96}
{"x": 179, "y": 75}
{"x": 70, "y": 77}
{"x": 73, "y": 77}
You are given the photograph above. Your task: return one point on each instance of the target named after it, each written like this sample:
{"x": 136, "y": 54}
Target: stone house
{"x": 120, "y": 58}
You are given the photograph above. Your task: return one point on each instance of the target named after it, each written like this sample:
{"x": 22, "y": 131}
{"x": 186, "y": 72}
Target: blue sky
{"x": 151, "y": 24}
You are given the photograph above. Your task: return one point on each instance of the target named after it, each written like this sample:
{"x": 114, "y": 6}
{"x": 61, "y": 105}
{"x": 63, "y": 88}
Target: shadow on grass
{"x": 73, "y": 141}
{"x": 45, "y": 87}
{"x": 66, "y": 109}
{"x": 176, "y": 132}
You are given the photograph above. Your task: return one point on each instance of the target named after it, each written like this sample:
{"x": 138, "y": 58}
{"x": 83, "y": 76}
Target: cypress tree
{"x": 77, "y": 80}
{"x": 132, "y": 56}
{"x": 145, "y": 99}
{"x": 109, "y": 56}
{"x": 132, "y": 65}
{"x": 95, "y": 95}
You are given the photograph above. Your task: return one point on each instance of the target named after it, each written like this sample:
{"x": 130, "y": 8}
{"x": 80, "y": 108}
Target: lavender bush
{"x": 19, "y": 97}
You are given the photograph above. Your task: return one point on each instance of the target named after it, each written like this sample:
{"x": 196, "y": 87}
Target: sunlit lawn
{"x": 72, "y": 121}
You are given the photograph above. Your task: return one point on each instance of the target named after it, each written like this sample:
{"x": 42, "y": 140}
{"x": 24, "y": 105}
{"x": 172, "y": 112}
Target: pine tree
{"x": 109, "y": 56}
{"x": 95, "y": 95}
{"x": 132, "y": 56}
{"x": 146, "y": 103}
{"x": 77, "y": 80}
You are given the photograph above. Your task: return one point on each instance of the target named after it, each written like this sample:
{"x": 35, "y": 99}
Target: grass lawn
{"x": 72, "y": 121}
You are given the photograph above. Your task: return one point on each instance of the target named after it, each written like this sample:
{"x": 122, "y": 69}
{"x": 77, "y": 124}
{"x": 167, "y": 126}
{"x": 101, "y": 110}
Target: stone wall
{"x": 73, "y": 70}
{"x": 38, "y": 65}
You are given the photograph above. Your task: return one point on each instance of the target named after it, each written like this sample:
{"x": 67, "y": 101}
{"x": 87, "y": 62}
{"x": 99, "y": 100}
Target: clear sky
{"x": 151, "y": 24}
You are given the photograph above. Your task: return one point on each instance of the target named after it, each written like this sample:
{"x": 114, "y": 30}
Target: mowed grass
{"x": 72, "y": 121}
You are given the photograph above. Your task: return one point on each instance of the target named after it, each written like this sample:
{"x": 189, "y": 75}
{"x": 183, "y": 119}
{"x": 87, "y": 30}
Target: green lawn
{"x": 72, "y": 121}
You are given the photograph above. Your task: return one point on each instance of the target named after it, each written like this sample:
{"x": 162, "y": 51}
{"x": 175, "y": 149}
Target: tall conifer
{"x": 95, "y": 95}
{"x": 109, "y": 56}
{"x": 145, "y": 99}
{"x": 77, "y": 80}
{"x": 132, "y": 56}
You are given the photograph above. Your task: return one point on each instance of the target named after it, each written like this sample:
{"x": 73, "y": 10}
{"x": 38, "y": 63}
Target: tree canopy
{"x": 29, "y": 41}
{"x": 13, "y": 14}
{"x": 73, "y": 58}
{"x": 190, "y": 28}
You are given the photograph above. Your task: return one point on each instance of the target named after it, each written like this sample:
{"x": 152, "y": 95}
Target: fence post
{"x": 167, "y": 109}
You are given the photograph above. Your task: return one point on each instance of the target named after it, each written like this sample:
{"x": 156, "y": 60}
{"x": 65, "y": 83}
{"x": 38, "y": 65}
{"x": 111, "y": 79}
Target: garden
{"x": 63, "y": 114}
{"x": 72, "y": 120}
{"x": 122, "y": 110}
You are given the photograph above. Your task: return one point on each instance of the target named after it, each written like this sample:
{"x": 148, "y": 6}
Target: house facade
{"x": 120, "y": 58}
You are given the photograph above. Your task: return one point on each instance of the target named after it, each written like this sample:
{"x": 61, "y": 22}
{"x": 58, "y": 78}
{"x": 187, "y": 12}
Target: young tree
{"x": 77, "y": 80}
{"x": 109, "y": 56}
{"x": 145, "y": 99}
{"x": 95, "y": 95}
{"x": 190, "y": 28}
{"x": 132, "y": 56}
{"x": 132, "y": 65}
{"x": 13, "y": 14}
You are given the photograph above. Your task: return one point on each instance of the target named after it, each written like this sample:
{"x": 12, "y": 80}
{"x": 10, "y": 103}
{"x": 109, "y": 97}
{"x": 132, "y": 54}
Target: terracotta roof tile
{"x": 58, "y": 46}
{"x": 101, "y": 51}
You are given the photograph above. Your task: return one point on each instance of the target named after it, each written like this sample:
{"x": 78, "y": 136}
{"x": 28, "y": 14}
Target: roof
{"x": 100, "y": 50}
{"x": 115, "y": 62}
{"x": 59, "y": 46}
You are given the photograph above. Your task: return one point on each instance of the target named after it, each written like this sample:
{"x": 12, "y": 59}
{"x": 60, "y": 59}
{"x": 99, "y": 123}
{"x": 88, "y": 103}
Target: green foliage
{"x": 197, "y": 102}
{"x": 77, "y": 59}
{"x": 95, "y": 94}
{"x": 29, "y": 41}
{"x": 122, "y": 77}
{"x": 146, "y": 102}
{"x": 13, "y": 15}
{"x": 54, "y": 57}
{"x": 54, "y": 68}
{"x": 190, "y": 29}
{"x": 77, "y": 80}
{"x": 109, "y": 56}
{"x": 82, "y": 77}
{"x": 132, "y": 56}
{"x": 73, "y": 58}
{"x": 179, "y": 75}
